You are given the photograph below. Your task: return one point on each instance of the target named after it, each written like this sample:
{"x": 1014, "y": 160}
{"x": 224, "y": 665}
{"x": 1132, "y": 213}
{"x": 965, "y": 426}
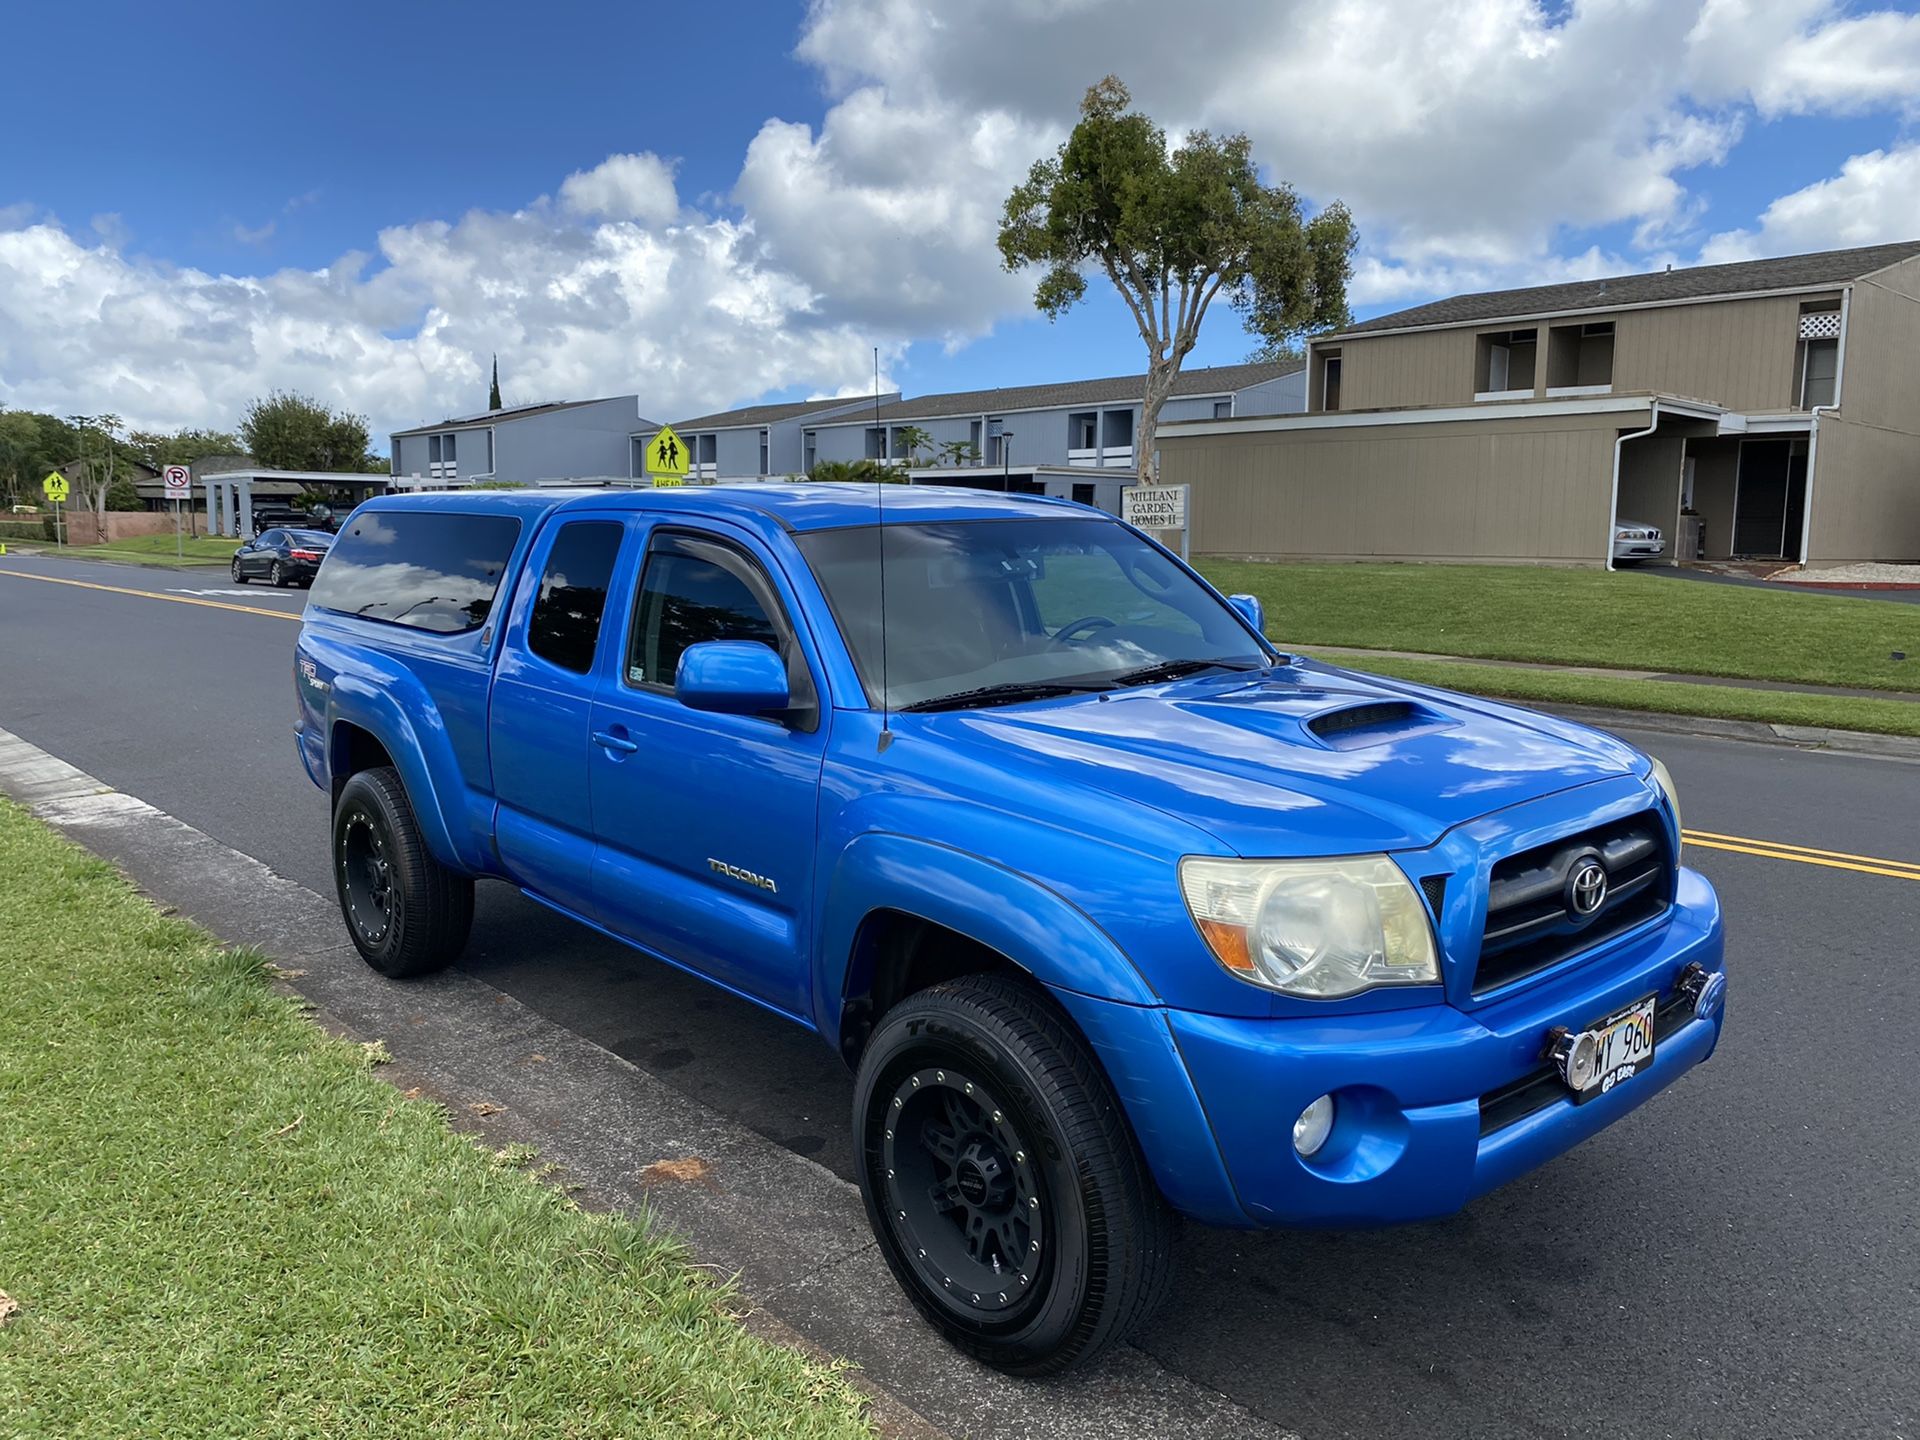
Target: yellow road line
{"x": 1827, "y": 859}
{"x": 156, "y": 595}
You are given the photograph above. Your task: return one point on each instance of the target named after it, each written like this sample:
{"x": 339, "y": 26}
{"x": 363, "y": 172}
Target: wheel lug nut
{"x": 996, "y": 1117}
{"x": 940, "y": 1075}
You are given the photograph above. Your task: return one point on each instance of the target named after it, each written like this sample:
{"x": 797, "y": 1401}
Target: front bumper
{"x": 1637, "y": 549}
{"x": 1410, "y": 1141}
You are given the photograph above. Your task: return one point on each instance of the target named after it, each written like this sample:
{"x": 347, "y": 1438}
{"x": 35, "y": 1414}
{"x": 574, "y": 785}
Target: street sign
{"x": 1155, "y": 507}
{"x": 56, "y": 487}
{"x": 179, "y": 481}
{"x": 667, "y": 458}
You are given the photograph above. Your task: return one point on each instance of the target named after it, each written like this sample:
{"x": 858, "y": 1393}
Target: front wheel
{"x": 407, "y": 913}
{"x": 239, "y": 575}
{"x": 1001, "y": 1180}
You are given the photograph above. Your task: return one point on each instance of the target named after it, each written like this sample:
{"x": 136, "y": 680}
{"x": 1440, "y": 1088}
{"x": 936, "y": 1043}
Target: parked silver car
{"x": 1635, "y": 541}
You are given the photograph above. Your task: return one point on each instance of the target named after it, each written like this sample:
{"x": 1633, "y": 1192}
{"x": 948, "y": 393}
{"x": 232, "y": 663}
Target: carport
{"x": 1650, "y": 471}
{"x": 230, "y": 492}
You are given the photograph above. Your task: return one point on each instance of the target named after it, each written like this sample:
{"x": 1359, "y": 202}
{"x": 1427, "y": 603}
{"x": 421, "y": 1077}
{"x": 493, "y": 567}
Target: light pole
{"x": 1006, "y": 460}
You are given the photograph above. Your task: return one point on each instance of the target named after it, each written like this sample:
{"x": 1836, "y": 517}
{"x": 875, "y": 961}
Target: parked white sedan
{"x": 1635, "y": 541}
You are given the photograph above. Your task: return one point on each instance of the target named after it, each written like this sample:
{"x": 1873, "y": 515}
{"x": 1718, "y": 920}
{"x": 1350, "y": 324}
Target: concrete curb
{"x": 1800, "y": 737}
{"x": 794, "y": 1234}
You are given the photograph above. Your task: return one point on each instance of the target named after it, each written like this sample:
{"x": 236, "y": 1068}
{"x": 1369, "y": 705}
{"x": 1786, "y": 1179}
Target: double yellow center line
{"x": 157, "y": 595}
{"x": 1804, "y": 854}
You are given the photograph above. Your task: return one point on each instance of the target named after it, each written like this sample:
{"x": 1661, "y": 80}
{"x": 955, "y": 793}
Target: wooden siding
{"x": 1520, "y": 489}
{"x": 1736, "y": 353}
{"x": 1865, "y": 493}
{"x": 1429, "y": 367}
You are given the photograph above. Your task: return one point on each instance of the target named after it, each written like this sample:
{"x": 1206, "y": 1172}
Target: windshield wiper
{"x": 1176, "y": 670}
{"x": 1011, "y": 692}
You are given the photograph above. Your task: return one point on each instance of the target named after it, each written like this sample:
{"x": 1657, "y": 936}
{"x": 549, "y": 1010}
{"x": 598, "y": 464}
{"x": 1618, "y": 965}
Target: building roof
{"x": 1697, "y": 282}
{"x": 514, "y": 412}
{"x": 752, "y": 415}
{"x": 1203, "y": 380}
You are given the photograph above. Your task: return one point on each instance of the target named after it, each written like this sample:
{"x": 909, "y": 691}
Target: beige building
{"x": 1768, "y": 409}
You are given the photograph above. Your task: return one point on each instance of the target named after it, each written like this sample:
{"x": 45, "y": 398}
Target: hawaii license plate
{"x": 1625, "y": 1047}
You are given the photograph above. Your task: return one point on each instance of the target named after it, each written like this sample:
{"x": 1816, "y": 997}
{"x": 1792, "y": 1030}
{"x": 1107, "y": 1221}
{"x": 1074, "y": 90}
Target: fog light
{"x": 1576, "y": 1057}
{"x": 1310, "y": 1131}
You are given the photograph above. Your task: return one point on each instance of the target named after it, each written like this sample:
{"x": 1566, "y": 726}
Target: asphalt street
{"x": 1738, "y": 1257}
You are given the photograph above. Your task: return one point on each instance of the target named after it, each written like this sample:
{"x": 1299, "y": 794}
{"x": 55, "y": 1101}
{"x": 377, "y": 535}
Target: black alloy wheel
{"x": 406, "y": 913}
{"x": 239, "y": 575}
{"x": 277, "y": 574}
{"x": 1001, "y": 1180}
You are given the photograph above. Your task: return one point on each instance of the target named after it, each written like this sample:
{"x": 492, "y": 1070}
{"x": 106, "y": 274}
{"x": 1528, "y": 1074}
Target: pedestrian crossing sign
{"x": 667, "y": 458}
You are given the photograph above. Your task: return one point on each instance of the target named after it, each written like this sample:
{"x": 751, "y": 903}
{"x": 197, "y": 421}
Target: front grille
{"x": 1530, "y": 923}
{"x": 1540, "y": 1087}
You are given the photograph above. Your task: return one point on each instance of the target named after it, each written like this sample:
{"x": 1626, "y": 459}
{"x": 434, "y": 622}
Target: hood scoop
{"x": 1354, "y": 727}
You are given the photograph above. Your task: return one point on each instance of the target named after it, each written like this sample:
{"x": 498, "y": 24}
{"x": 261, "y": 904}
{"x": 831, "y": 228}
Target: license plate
{"x": 1625, "y": 1041}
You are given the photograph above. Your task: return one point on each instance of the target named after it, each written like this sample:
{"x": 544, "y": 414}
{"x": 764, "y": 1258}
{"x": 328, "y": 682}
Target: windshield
{"x": 996, "y": 611}
{"x": 310, "y": 537}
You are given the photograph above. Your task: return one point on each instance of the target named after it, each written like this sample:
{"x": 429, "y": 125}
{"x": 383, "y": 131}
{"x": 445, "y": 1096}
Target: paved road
{"x": 1738, "y": 1257}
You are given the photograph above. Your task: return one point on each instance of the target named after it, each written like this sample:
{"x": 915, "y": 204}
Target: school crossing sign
{"x": 56, "y": 487}
{"x": 667, "y": 459}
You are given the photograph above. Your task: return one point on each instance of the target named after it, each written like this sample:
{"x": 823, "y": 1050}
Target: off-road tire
{"x": 426, "y": 925}
{"x": 1103, "y": 1236}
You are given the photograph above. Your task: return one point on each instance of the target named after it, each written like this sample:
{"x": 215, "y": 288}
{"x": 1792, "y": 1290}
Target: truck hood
{"x": 1304, "y": 759}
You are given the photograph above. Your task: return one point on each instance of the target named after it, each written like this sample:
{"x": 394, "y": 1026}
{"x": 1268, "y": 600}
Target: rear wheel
{"x": 407, "y": 913}
{"x": 277, "y": 574}
{"x": 1001, "y": 1179}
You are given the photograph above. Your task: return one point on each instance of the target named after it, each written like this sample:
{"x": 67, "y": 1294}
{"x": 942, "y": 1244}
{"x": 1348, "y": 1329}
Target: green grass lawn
{"x": 159, "y": 550}
{"x": 1586, "y": 617}
{"x": 216, "y": 1221}
{"x": 1879, "y": 717}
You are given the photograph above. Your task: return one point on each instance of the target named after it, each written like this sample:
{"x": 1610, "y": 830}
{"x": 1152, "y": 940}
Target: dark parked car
{"x": 282, "y": 556}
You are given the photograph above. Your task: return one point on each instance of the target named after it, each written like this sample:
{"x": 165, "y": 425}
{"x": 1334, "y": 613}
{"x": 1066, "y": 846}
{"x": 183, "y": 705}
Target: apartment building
{"x": 756, "y": 442}
{"x": 522, "y": 444}
{"x": 1770, "y": 408}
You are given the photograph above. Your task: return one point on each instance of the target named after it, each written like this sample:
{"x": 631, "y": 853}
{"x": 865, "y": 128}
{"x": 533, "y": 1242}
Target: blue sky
{"x": 174, "y": 213}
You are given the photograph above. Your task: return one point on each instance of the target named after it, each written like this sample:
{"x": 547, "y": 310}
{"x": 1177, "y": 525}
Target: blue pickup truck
{"x": 1114, "y": 911}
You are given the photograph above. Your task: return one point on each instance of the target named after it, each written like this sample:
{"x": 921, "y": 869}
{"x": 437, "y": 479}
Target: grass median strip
{"x": 1626, "y": 620}
{"x": 215, "y": 1220}
{"x": 1774, "y": 707}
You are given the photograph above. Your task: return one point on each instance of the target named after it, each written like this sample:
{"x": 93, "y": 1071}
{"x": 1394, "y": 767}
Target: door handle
{"x": 615, "y": 741}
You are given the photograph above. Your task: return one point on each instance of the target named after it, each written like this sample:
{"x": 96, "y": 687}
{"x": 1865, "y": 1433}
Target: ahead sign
{"x": 1155, "y": 507}
{"x": 179, "y": 482}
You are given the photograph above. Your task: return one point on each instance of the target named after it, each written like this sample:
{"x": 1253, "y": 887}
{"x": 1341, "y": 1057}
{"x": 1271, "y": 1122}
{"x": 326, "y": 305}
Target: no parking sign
{"x": 179, "y": 482}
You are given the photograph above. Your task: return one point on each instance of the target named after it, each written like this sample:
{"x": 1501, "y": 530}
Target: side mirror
{"x": 731, "y": 677}
{"x": 1251, "y": 610}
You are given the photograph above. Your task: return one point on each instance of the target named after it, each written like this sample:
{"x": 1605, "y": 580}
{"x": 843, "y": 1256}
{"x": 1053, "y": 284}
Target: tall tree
{"x": 286, "y": 431}
{"x": 160, "y": 448}
{"x": 1172, "y": 228}
{"x": 493, "y": 395}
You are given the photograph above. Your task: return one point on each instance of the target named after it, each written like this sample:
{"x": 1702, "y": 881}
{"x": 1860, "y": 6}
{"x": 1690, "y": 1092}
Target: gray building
{"x": 524, "y": 444}
{"x": 1073, "y": 423}
{"x": 755, "y": 442}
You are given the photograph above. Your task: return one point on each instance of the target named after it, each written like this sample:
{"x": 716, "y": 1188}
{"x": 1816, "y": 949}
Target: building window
{"x": 1083, "y": 494}
{"x": 1506, "y": 362}
{"x": 1118, "y": 428}
{"x": 876, "y": 443}
{"x": 1580, "y": 358}
{"x": 810, "y": 448}
{"x": 1223, "y": 409}
{"x": 1819, "y": 369}
{"x": 1083, "y": 431}
{"x": 763, "y": 452}
{"x": 1330, "y": 382}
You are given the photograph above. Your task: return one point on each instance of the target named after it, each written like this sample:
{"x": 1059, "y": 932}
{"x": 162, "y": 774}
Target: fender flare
{"x": 1034, "y": 927}
{"x": 383, "y": 703}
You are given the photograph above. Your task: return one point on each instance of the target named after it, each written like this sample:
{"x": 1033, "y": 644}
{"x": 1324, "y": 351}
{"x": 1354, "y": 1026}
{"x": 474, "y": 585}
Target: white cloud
{"x": 1875, "y": 198}
{"x": 255, "y": 234}
{"x": 624, "y": 187}
{"x": 1481, "y": 144}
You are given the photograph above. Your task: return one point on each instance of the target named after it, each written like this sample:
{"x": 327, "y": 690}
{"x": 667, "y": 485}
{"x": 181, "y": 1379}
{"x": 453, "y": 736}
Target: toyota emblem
{"x": 1586, "y": 887}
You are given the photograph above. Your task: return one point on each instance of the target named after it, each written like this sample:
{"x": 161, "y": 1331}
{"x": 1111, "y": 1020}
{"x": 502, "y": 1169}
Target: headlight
{"x": 1665, "y": 782}
{"x": 1318, "y": 928}
{"x": 1622, "y": 534}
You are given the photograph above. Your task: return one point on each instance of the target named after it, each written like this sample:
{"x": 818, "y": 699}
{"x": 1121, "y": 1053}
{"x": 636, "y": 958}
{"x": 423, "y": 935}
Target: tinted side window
{"x": 271, "y": 538}
{"x": 691, "y": 591}
{"x": 427, "y": 569}
{"x": 573, "y": 594}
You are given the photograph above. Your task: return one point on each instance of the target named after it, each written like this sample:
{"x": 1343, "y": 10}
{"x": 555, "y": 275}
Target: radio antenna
{"x": 880, "y": 530}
